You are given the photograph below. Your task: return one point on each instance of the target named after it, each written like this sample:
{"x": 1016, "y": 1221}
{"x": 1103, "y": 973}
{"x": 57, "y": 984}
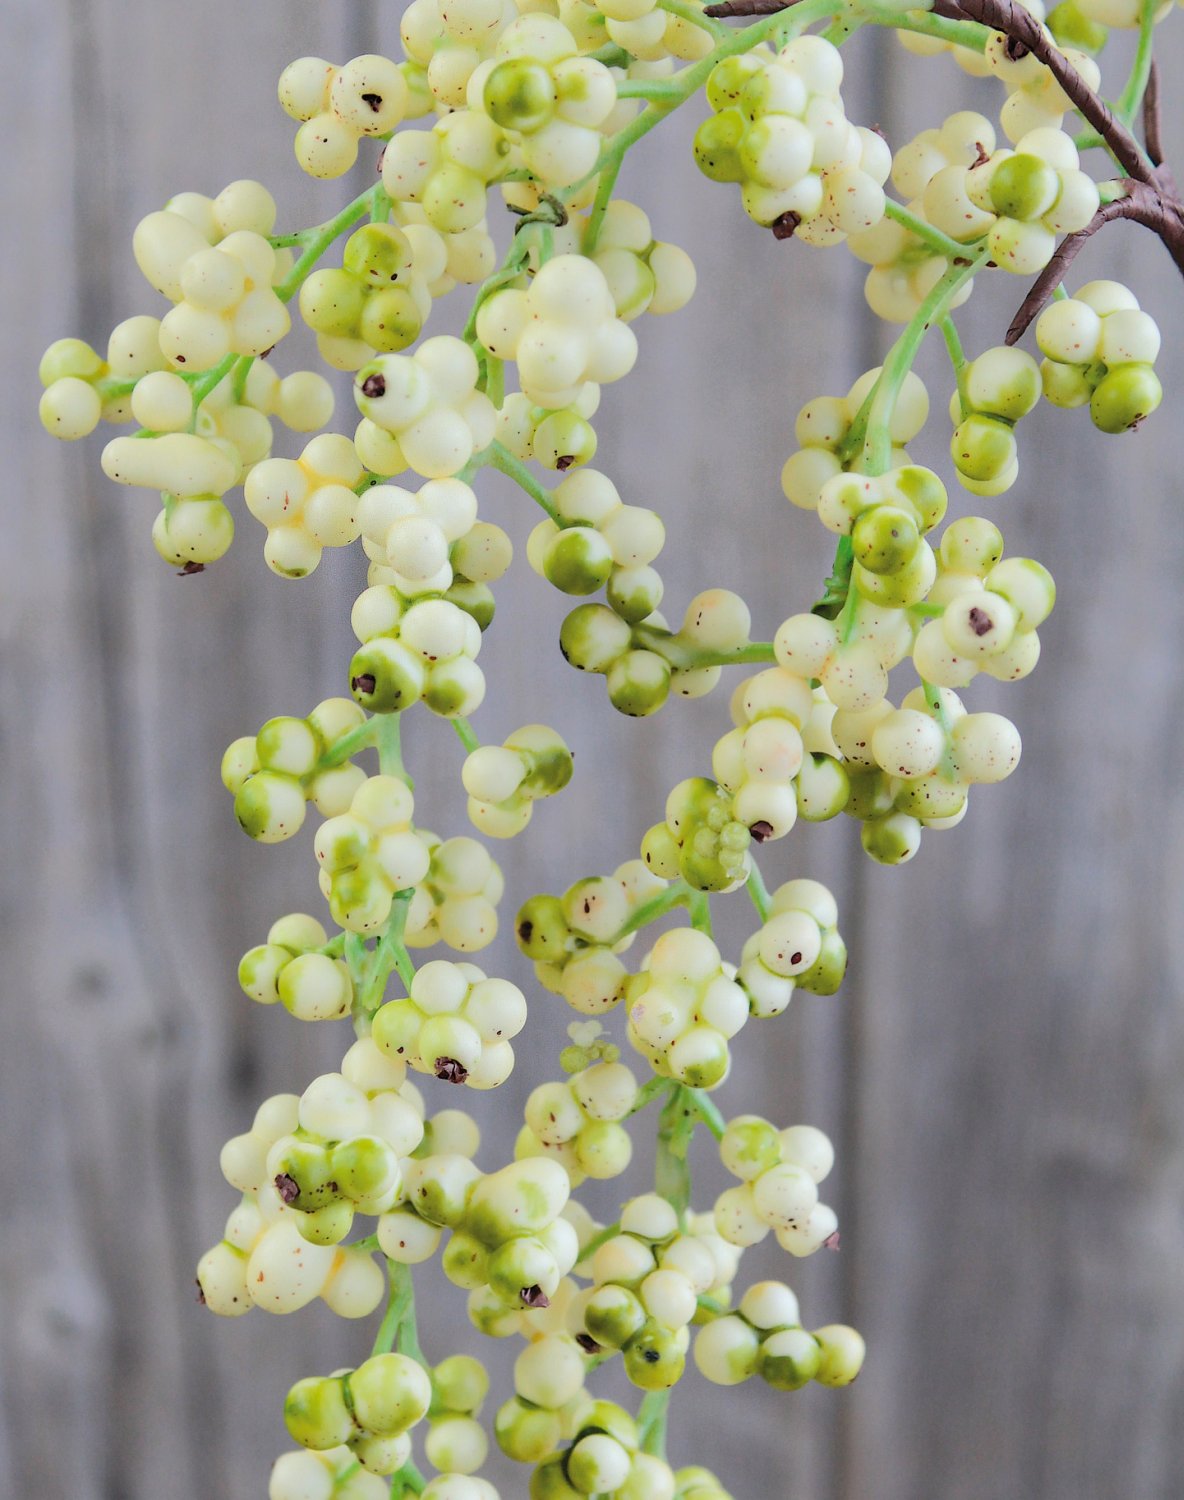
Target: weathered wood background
{"x": 1001, "y": 1071}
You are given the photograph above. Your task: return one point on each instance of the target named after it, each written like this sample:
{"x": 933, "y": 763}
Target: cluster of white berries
{"x": 824, "y": 429}
{"x": 797, "y": 947}
{"x": 646, "y": 1282}
{"x": 369, "y": 854}
{"x": 505, "y": 781}
{"x": 306, "y": 504}
{"x": 779, "y": 1172}
{"x": 562, "y": 331}
{"x": 546, "y": 97}
{"x": 291, "y": 970}
{"x": 764, "y": 1337}
{"x": 337, "y": 106}
{"x": 1021, "y": 200}
{"x": 422, "y": 411}
{"x": 599, "y": 541}
{"x": 370, "y": 1410}
{"x": 684, "y": 1008}
{"x": 648, "y": 32}
{"x": 779, "y": 130}
{"x": 578, "y": 1121}
{"x": 422, "y": 649}
{"x": 419, "y": 542}
{"x": 994, "y": 392}
{"x": 275, "y": 773}
{"x": 644, "y": 274}
{"x": 456, "y": 902}
{"x": 1099, "y": 349}
{"x": 643, "y": 662}
{"x": 887, "y": 518}
{"x": 455, "y": 1023}
{"x": 574, "y": 939}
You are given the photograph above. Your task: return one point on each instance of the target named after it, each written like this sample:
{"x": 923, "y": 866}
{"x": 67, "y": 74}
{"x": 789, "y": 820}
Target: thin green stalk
{"x": 602, "y": 1237}
{"x": 407, "y": 1481}
{"x": 941, "y": 243}
{"x": 1131, "y": 98}
{"x": 685, "y": 655}
{"x": 238, "y": 377}
{"x": 877, "y": 445}
{"x": 648, "y": 1092}
{"x": 651, "y": 1423}
{"x": 677, "y": 894}
{"x": 202, "y": 387}
{"x": 969, "y": 34}
{"x": 700, "y": 906}
{"x": 949, "y": 333}
{"x": 317, "y": 240}
{"x": 759, "y": 893}
{"x": 672, "y": 1172}
{"x": 707, "y": 1112}
{"x": 465, "y": 733}
{"x": 349, "y": 744}
{"x": 604, "y": 192}
{"x": 499, "y": 457}
{"x": 389, "y": 737}
{"x": 389, "y": 953}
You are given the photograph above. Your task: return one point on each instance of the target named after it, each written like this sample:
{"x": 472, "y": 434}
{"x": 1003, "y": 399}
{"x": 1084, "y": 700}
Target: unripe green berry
{"x": 519, "y": 95}
{"x": 1127, "y": 395}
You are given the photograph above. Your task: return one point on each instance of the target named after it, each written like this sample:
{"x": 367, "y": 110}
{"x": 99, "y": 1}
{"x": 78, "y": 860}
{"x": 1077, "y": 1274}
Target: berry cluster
{"x": 505, "y": 781}
{"x": 1100, "y": 348}
{"x": 337, "y": 106}
{"x": 275, "y": 773}
{"x": 455, "y": 1023}
{"x": 764, "y": 1337}
{"x": 779, "y": 130}
{"x": 779, "y": 1173}
{"x": 573, "y": 939}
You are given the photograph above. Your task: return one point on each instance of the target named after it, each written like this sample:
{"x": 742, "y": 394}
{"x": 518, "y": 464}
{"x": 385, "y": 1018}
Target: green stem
{"x": 942, "y": 244}
{"x": 389, "y": 954}
{"x": 202, "y": 387}
{"x": 648, "y": 1092}
{"x": 651, "y": 1422}
{"x": 317, "y": 240}
{"x": 969, "y": 34}
{"x": 499, "y": 457}
{"x": 700, "y": 906}
{"x": 684, "y": 655}
{"x": 604, "y": 192}
{"x": 676, "y": 1126}
{"x": 465, "y": 734}
{"x": 949, "y": 333}
{"x": 1131, "y": 98}
{"x": 933, "y": 699}
{"x": 649, "y": 911}
{"x": 707, "y": 1112}
{"x": 759, "y": 893}
{"x": 349, "y": 744}
{"x": 390, "y": 750}
{"x": 603, "y": 1236}
{"x": 877, "y": 446}
{"x": 407, "y": 1481}
{"x": 238, "y": 377}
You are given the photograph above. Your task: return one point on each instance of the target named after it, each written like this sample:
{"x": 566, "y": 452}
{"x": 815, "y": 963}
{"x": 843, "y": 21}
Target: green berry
{"x": 316, "y": 1414}
{"x": 1127, "y": 395}
{"x": 379, "y": 254}
{"x": 1024, "y": 187}
{"x": 519, "y": 95}
{"x": 885, "y": 538}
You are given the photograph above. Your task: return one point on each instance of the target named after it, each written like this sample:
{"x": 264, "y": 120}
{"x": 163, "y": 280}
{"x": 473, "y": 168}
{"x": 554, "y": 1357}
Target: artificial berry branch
{"x": 545, "y": 115}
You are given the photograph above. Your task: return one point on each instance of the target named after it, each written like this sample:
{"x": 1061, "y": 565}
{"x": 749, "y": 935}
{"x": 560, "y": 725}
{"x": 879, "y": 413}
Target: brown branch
{"x": 747, "y": 8}
{"x": 1145, "y": 204}
{"x": 1151, "y": 122}
{"x": 1041, "y": 290}
{"x": 1013, "y": 21}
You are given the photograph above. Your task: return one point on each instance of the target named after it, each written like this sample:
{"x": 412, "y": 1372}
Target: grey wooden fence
{"x": 1002, "y": 1070}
